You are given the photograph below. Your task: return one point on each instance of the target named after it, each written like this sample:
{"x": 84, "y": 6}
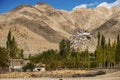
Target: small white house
{"x": 86, "y": 33}
{"x": 39, "y": 67}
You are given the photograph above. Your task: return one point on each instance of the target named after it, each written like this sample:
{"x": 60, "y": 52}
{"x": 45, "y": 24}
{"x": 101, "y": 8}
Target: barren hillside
{"x": 41, "y": 27}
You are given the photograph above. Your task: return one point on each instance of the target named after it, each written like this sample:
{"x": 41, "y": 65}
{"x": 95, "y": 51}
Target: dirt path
{"x": 108, "y": 76}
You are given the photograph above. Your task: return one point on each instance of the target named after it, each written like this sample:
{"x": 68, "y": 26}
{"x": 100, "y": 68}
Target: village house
{"x": 16, "y": 64}
{"x": 39, "y": 67}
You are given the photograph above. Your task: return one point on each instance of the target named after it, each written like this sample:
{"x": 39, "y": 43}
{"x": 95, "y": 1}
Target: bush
{"x": 28, "y": 66}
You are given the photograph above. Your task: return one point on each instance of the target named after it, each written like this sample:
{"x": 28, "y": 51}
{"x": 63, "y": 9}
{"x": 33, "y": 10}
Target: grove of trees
{"x": 64, "y": 58}
{"x": 10, "y": 52}
{"x": 106, "y": 55}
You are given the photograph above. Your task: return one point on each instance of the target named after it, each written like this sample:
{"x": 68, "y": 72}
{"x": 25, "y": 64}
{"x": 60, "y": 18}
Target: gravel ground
{"x": 108, "y": 76}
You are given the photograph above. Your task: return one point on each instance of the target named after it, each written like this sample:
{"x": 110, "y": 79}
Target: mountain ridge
{"x": 43, "y": 24}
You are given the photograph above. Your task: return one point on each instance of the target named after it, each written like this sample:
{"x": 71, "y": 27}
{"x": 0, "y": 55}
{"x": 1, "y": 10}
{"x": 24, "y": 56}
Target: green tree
{"x": 103, "y": 41}
{"x": 12, "y": 46}
{"x": 108, "y": 54}
{"x": 118, "y": 53}
{"x": 3, "y": 57}
{"x": 100, "y": 51}
{"x": 28, "y": 66}
{"x": 99, "y": 56}
{"x": 14, "y": 50}
{"x": 85, "y": 59}
{"x": 98, "y": 38}
{"x": 118, "y": 38}
{"x": 8, "y": 43}
{"x": 64, "y": 47}
{"x": 113, "y": 52}
{"x": 21, "y": 55}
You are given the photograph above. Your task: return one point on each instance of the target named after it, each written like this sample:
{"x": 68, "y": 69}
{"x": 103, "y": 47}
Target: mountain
{"x": 110, "y": 27}
{"x": 41, "y": 27}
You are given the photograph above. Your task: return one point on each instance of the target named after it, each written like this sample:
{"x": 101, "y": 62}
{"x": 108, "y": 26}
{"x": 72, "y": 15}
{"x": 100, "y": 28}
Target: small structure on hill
{"x": 82, "y": 40}
{"x": 39, "y": 67}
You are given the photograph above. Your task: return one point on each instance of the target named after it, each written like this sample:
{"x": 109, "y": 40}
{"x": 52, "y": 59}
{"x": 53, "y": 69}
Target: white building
{"x": 39, "y": 67}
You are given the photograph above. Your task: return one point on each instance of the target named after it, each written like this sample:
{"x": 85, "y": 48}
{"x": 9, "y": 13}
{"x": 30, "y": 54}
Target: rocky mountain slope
{"x": 41, "y": 27}
{"x": 111, "y": 27}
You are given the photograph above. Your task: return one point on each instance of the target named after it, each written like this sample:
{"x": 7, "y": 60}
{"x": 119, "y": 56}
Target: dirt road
{"x": 108, "y": 76}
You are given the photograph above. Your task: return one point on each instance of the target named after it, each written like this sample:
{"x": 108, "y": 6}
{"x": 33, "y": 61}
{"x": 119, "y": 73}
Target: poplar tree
{"x": 98, "y": 38}
{"x": 113, "y": 51}
{"x": 64, "y": 47}
{"x": 108, "y": 54}
{"x": 117, "y": 55}
{"x": 118, "y": 38}
{"x": 8, "y": 43}
{"x": 103, "y": 41}
{"x": 99, "y": 56}
{"x": 12, "y": 46}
